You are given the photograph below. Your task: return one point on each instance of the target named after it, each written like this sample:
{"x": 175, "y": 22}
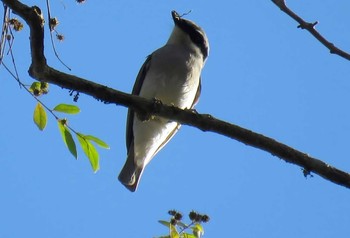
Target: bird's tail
{"x": 130, "y": 174}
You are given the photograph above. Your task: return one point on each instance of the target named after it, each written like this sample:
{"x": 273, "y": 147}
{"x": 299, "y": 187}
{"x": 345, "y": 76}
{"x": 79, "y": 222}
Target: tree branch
{"x": 41, "y": 71}
{"x": 310, "y": 27}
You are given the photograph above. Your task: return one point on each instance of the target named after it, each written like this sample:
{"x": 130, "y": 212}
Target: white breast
{"x": 173, "y": 78}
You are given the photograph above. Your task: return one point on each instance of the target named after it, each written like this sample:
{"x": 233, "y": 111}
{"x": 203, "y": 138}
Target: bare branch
{"x": 41, "y": 71}
{"x": 310, "y": 27}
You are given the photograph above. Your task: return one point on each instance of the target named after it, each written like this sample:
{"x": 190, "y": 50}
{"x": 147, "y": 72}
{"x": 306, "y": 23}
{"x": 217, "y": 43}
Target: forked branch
{"x": 310, "y": 27}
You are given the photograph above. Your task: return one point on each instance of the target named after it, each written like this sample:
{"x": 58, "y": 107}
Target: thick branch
{"x": 310, "y": 27}
{"x": 41, "y": 71}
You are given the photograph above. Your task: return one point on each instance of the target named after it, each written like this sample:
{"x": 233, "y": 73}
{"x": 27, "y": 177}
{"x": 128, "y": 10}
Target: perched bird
{"x": 171, "y": 74}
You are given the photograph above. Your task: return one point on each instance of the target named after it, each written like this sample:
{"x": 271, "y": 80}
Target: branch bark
{"x": 310, "y": 27}
{"x": 41, "y": 71}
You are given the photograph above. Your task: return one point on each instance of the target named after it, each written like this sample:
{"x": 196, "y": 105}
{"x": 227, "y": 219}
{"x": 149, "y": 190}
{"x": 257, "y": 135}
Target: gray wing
{"x": 136, "y": 91}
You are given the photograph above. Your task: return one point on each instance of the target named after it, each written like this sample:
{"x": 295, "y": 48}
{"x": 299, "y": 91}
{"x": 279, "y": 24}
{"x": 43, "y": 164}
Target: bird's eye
{"x": 197, "y": 38}
{"x": 196, "y": 35}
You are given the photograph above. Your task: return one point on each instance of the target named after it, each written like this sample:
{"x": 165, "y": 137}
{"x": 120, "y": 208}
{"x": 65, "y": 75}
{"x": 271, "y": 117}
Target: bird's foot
{"x": 147, "y": 116}
{"x": 144, "y": 116}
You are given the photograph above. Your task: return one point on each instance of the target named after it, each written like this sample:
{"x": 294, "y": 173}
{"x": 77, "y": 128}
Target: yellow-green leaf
{"x": 35, "y": 87}
{"x": 198, "y": 230}
{"x": 173, "y": 232}
{"x": 44, "y": 87}
{"x": 67, "y": 137}
{"x": 165, "y": 223}
{"x": 40, "y": 117}
{"x": 187, "y": 235}
{"x": 39, "y": 88}
{"x": 183, "y": 225}
{"x": 98, "y": 141}
{"x": 67, "y": 108}
{"x": 90, "y": 151}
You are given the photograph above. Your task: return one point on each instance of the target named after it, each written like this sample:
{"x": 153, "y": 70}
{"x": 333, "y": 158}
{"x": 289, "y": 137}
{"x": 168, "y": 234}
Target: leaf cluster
{"x": 179, "y": 229}
{"x": 87, "y": 142}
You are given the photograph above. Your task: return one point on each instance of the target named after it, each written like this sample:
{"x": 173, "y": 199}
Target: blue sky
{"x": 262, "y": 73}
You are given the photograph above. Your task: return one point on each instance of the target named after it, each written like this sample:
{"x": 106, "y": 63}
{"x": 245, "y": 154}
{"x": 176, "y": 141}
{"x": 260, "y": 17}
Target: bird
{"x": 171, "y": 74}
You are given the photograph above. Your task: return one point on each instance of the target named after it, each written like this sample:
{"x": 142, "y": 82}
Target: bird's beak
{"x": 176, "y": 16}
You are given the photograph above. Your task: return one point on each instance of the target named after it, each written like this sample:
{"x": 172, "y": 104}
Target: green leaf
{"x": 187, "y": 235}
{"x": 98, "y": 141}
{"x": 173, "y": 232}
{"x": 40, "y": 117}
{"x": 90, "y": 151}
{"x": 165, "y": 223}
{"x": 67, "y": 108}
{"x": 198, "y": 230}
{"x": 67, "y": 137}
{"x": 36, "y": 86}
{"x": 183, "y": 225}
{"x": 39, "y": 88}
{"x": 44, "y": 87}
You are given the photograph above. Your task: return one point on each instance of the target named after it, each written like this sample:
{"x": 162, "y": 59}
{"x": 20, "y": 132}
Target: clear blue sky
{"x": 262, "y": 73}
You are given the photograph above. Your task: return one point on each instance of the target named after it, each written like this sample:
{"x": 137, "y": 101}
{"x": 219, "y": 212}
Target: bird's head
{"x": 190, "y": 34}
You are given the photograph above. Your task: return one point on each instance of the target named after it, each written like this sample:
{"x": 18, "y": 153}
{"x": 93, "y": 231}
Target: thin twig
{"x": 12, "y": 39}
{"x": 52, "y": 41}
{"x": 4, "y": 32}
{"x": 310, "y": 27}
{"x": 184, "y": 228}
{"x": 13, "y": 62}
{"x": 15, "y": 76}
